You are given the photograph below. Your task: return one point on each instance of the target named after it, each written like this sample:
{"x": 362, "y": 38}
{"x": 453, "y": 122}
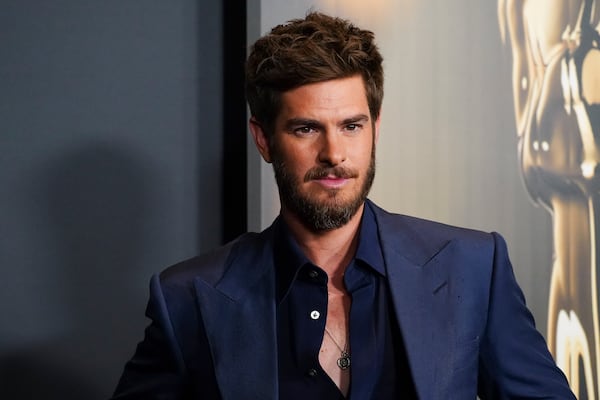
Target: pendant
{"x": 344, "y": 361}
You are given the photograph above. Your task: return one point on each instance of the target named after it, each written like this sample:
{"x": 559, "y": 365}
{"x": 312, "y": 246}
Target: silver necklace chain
{"x": 344, "y": 361}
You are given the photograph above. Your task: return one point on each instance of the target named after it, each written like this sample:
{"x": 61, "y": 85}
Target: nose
{"x": 332, "y": 149}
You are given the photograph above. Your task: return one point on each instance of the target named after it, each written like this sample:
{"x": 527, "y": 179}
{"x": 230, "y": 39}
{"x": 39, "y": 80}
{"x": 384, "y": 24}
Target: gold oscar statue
{"x": 556, "y": 86}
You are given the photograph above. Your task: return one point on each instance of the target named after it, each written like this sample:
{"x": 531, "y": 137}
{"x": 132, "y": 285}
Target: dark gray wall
{"x": 110, "y": 163}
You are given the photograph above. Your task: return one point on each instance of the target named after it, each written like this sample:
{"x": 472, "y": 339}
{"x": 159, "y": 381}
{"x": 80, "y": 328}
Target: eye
{"x": 304, "y": 130}
{"x": 353, "y": 127}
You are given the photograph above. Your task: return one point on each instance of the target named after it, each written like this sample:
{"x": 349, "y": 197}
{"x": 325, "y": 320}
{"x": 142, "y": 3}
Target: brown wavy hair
{"x": 314, "y": 49}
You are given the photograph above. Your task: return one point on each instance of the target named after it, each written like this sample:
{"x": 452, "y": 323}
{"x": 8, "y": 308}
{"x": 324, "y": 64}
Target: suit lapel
{"x": 239, "y": 318}
{"x": 418, "y": 282}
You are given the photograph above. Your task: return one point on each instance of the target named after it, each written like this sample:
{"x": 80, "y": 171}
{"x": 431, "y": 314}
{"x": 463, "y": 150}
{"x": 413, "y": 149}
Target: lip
{"x": 332, "y": 182}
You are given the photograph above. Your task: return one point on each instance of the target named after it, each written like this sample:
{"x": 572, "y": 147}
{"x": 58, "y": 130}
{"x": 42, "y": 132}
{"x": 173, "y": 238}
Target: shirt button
{"x": 313, "y": 274}
{"x": 315, "y": 314}
{"x": 312, "y": 372}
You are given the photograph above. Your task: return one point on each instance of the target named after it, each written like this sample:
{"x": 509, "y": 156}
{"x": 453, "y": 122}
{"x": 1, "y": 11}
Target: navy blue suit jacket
{"x": 463, "y": 318}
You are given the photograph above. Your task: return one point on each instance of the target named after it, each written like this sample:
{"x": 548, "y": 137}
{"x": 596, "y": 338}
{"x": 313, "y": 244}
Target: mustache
{"x": 337, "y": 172}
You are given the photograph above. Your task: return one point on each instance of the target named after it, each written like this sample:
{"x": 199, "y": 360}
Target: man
{"x": 337, "y": 298}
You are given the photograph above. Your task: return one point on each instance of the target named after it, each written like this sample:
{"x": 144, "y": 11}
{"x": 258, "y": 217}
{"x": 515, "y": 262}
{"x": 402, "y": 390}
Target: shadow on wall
{"x": 96, "y": 202}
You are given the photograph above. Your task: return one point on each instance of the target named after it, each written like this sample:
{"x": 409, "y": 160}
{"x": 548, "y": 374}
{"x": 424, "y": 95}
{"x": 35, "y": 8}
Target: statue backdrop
{"x": 556, "y": 86}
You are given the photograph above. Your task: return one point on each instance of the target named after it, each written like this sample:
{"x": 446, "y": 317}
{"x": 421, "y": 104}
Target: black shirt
{"x": 378, "y": 363}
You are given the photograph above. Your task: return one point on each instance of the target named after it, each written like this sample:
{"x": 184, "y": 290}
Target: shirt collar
{"x": 289, "y": 258}
{"x": 369, "y": 247}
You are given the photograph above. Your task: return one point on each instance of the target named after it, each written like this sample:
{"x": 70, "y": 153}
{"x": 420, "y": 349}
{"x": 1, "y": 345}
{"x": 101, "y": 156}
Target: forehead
{"x": 329, "y": 99}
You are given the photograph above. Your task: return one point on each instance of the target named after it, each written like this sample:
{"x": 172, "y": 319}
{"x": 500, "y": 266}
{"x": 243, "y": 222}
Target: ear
{"x": 376, "y": 133}
{"x": 260, "y": 139}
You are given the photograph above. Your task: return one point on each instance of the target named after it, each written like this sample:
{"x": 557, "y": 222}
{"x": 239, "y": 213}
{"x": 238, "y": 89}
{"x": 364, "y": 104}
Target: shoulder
{"x": 211, "y": 266}
{"x": 430, "y": 233}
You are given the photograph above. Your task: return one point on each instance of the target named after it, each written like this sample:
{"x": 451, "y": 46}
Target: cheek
{"x": 297, "y": 157}
{"x": 363, "y": 152}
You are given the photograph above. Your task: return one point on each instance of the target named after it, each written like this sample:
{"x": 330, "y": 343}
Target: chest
{"x": 315, "y": 328}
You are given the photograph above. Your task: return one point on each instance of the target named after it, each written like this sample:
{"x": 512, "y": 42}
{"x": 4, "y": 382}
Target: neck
{"x": 331, "y": 250}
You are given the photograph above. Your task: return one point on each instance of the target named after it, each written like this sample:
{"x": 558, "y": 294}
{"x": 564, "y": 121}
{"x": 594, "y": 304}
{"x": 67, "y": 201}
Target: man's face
{"x": 323, "y": 152}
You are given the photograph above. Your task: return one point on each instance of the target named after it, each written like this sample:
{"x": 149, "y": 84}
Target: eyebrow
{"x": 293, "y": 122}
{"x": 356, "y": 118}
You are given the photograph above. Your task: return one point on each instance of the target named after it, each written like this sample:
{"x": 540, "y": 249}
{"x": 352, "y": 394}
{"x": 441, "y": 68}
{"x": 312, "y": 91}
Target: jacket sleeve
{"x": 156, "y": 370}
{"x": 514, "y": 358}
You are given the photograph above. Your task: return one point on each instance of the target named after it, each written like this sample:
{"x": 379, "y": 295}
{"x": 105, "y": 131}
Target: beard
{"x": 321, "y": 215}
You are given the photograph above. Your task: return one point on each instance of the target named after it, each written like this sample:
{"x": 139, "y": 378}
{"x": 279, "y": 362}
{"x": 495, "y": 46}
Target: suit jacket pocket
{"x": 465, "y": 367}
{"x": 465, "y": 355}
